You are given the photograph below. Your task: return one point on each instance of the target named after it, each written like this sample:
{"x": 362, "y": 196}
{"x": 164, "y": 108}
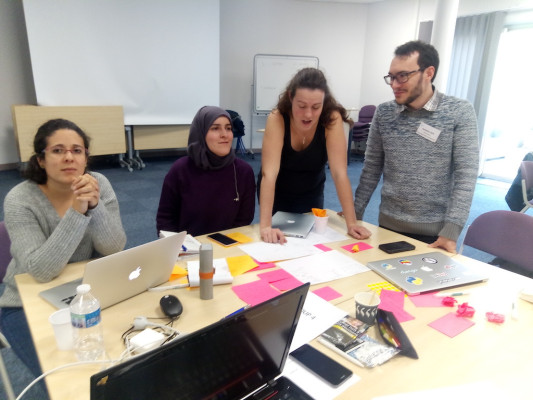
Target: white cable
{"x": 163, "y": 288}
{"x": 60, "y": 368}
{"x": 139, "y": 323}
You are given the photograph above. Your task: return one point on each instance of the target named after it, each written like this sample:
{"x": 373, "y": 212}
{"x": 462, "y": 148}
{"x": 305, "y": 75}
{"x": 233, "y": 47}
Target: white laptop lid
{"x": 293, "y": 224}
{"x": 421, "y": 273}
{"x": 122, "y": 275}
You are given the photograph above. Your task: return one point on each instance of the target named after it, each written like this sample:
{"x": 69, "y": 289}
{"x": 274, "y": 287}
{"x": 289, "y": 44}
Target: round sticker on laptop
{"x": 405, "y": 262}
{"x": 430, "y": 260}
{"x": 387, "y": 267}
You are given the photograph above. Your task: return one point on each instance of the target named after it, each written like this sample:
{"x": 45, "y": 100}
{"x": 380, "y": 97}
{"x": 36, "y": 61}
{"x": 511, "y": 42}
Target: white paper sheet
{"x": 331, "y": 235}
{"x": 270, "y": 252}
{"x": 313, "y": 385}
{"x": 221, "y": 276}
{"x": 317, "y": 316}
{"x": 323, "y": 267}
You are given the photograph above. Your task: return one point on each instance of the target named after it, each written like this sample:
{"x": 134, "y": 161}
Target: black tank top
{"x": 301, "y": 177}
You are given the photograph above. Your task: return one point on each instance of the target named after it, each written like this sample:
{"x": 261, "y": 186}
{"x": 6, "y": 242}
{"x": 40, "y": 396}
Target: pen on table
{"x": 452, "y": 294}
{"x": 238, "y": 311}
{"x": 514, "y": 311}
{"x": 163, "y": 288}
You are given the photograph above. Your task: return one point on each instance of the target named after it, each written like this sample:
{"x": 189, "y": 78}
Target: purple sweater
{"x": 200, "y": 201}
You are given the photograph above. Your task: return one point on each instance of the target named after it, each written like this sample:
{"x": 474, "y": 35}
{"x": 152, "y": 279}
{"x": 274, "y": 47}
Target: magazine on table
{"x": 348, "y": 338}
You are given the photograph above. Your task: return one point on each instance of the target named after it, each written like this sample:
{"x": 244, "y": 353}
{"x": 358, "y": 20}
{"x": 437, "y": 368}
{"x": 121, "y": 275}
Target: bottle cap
{"x": 84, "y": 288}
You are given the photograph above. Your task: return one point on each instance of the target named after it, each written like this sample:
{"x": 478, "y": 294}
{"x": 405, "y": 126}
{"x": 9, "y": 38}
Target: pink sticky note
{"x": 362, "y": 246}
{"x": 255, "y": 292}
{"x": 322, "y": 247}
{"x": 426, "y": 300}
{"x": 327, "y": 293}
{"x": 287, "y": 284}
{"x": 451, "y": 325}
{"x": 261, "y": 265}
{"x": 273, "y": 276}
{"x": 394, "y": 302}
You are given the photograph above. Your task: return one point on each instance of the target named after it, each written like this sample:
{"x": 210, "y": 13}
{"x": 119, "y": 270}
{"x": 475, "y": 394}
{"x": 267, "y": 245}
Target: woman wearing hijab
{"x": 209, "y": 189}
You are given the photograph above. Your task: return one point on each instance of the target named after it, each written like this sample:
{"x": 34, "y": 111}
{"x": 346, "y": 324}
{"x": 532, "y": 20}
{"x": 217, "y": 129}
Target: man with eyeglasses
{"x": 425, "y": 144}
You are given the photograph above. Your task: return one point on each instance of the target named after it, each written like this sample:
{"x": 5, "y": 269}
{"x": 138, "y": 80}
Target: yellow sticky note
{"x": 240, "y": 264}
{"x": 178, "y": 272}
{"x": 240, "y": 237}
{"x": 377, "y": 287}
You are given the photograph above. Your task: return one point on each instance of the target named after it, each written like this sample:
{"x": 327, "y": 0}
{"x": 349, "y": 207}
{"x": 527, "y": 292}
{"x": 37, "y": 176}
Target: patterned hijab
{"x": 197, "y": 147}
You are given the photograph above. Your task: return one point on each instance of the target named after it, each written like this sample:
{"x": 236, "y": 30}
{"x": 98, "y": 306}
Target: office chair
{"x": 5, "y": 258}
{"x": 360, "y": 129}
{"x": 238, "y": 133}
{"x": 526, "y": 169}
{"x": 5, "y": 254}
{"x": 504, "y": 234}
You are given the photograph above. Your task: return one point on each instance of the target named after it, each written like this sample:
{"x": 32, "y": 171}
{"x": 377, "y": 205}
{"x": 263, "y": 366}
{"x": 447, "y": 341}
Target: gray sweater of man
{"x": 43, "y": 243}
{"x": 427, "y": 186}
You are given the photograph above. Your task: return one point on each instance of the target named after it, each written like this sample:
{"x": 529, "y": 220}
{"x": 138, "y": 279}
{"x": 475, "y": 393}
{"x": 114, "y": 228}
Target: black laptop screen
{"x": 226, "y": 360}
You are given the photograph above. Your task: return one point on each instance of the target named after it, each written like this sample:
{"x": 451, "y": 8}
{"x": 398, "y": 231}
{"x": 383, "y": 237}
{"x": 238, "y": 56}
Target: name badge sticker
{"x": 428, "y": 132}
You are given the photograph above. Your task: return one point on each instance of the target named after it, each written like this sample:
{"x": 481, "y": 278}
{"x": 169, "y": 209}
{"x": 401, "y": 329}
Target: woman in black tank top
{"x": 302, "y": 133}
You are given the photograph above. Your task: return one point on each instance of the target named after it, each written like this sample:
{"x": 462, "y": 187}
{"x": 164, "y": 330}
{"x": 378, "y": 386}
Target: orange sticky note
{"x": 178, "y": 272}
{"x": 240, "y": 264}
{"x": 355, "y": 248}
{"x": 240, "y": 237}
{"x": 318, "y": 212}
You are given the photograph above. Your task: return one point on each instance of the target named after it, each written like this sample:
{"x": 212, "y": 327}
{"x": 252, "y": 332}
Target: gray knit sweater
{"x": 427, "y": 187}
{"x": 42, "y": 243}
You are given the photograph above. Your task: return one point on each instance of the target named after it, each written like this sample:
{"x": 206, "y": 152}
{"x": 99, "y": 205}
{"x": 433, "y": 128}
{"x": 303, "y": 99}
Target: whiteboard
{"x": 272, "y": 73}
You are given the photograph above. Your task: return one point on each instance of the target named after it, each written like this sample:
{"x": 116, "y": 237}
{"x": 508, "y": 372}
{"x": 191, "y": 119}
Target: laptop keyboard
{"x": 282, "y": 389}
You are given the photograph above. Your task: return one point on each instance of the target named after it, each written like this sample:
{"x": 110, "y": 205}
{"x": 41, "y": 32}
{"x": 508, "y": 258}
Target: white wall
{"x": 15, "y": 74}
{"x": 354, "y": 43}
{"x": 333, "y": 32}
{"x": 393, "y": 22}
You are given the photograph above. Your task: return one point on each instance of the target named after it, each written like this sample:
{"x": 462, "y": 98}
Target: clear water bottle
{"x": 86, "y": 325}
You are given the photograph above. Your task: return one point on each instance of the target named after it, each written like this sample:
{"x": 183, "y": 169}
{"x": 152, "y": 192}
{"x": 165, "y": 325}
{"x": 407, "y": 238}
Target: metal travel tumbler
{"x": 206, "y": 271}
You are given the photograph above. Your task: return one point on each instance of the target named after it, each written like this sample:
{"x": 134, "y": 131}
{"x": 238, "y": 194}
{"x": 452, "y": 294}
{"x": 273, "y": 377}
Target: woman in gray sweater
{"x": 60, "y": 214}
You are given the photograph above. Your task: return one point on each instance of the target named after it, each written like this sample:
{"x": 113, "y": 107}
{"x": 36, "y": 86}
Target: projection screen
{"x": 159, "y": 59}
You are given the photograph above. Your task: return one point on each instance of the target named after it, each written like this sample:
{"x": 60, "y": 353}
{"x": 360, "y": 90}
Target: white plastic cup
{"x": 366, "y": 307}
{"x": 321, "y": 224}
{"x": 60, "y": 321}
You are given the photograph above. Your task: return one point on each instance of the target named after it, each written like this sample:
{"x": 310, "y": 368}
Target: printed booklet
{"x": 348, "y": 338}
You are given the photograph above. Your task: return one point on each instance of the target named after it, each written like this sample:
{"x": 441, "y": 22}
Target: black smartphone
{"x": 322, "y": 365}
{"x": 222, "y": 239}
{"x": 396, "y": 247}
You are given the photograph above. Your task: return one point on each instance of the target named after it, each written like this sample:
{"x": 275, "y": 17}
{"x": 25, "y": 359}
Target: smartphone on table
{"x": 322, "y": 365}
{"x": 221, "y": 239}
{"x": 396, "y": 247}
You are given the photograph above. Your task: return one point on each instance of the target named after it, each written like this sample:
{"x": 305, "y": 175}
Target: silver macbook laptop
{"x": 421, "y": 273}
{"x": 122, "y": 275}
{"x": 293, "y": 224}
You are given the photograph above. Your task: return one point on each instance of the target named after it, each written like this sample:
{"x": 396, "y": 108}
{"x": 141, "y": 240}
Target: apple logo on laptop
{"x": 135, "y": 274}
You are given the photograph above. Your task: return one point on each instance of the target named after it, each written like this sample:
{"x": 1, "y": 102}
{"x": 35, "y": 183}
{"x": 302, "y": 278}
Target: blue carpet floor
{"x": 138, "y": 194}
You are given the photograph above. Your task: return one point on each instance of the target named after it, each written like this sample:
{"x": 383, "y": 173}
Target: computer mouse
{"x": 171, "y": 306}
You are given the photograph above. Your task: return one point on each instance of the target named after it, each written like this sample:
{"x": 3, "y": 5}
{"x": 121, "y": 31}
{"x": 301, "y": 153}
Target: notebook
{"x": 240, "y": 355}
{"x": 122, "y": 275}
{"x": 421, "y": 273}
{"x": 293, "y": 224}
